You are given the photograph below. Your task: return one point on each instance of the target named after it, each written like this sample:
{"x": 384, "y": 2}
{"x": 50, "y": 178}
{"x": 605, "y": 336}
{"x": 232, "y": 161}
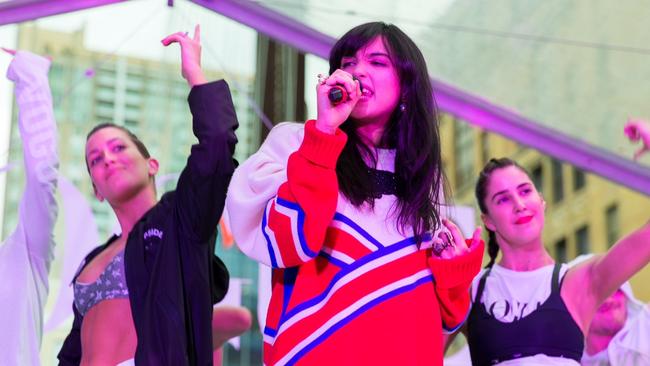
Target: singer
{"x": 346, "y": 210}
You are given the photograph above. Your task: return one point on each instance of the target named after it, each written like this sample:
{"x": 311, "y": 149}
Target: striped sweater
{"x": 348, "y": 286}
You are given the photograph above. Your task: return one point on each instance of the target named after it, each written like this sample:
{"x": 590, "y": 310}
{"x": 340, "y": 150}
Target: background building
{"x": 584, "y": 213}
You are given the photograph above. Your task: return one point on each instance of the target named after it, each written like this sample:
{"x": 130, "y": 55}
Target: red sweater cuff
{"x": 450, "y": 273}
{"x": 322, "y": 148}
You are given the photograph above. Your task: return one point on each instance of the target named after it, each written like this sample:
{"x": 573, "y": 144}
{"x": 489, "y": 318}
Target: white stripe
{"x": 355, "y": 274}
{"x": 352, "y": 231}
{"x": 268, "y": 339}
{"x": 351, "y": 309}
{"x": 293, "y": 216}
{"x": 271, "y": 236}
{"x": 338, "y": 255}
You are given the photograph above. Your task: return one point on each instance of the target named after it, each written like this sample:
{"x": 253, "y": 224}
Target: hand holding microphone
{"x": 337, "y": 96}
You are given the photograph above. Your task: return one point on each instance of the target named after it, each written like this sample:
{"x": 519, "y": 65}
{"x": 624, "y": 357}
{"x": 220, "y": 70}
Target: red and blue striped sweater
{"x": 348, "y": 286}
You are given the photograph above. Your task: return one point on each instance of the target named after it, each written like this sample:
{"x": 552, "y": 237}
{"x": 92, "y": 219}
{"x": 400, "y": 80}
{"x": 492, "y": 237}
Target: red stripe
{"x": 280, "y": 225}
{"x": 341, "y": 241}
{"x": 352, "y": 292}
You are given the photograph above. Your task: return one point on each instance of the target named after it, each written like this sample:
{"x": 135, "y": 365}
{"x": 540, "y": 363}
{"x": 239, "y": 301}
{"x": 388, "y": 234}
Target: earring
{"x": 402, "y": 107}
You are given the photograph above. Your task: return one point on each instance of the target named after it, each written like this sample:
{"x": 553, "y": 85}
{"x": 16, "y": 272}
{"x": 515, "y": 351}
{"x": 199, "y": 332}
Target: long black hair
{"x": 481, "y": 191}
{"x": 413, "y": 132}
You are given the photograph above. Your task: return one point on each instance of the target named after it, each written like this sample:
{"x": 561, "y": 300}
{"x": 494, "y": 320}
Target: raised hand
{"x": 190, "y": 55}
{"x": 9, "y": 51}
{"x": 638, "y": 129}
{"x": 450, "y": 242}
{"x": 330, "y": 117}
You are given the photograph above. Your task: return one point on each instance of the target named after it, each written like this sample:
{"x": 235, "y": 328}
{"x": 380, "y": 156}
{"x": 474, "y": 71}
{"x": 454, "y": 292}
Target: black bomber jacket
{"x": 172, "y": 273}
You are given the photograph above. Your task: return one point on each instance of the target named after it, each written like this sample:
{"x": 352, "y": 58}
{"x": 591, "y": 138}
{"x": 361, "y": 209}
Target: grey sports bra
{"x": 111, "y": 284}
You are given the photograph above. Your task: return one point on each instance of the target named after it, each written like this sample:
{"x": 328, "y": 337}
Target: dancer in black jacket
{"x": 145, "y": 297}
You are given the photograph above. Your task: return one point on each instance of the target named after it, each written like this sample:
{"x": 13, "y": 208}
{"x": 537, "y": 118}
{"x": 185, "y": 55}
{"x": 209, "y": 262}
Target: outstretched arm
{"x": 588, "y": 284}
{"x": 38, "y": 131}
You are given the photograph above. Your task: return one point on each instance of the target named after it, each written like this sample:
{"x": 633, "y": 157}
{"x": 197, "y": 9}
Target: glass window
{"x": 486, "y": 154}
{"x": 105, "y": 94}
{"x": 105, "y": 78}
{"x": 464, "y": 153}
{"x": 134, "y": 82}
{"x": 558, "y": 181}
{"x": 612, "y": 225}
{"x": 582, "y": 240}
{"x": 579, "y": 179}
{"x": 80, "y": 98}
{"x": 537, "y": 175}
{"x": 560, "y": 251}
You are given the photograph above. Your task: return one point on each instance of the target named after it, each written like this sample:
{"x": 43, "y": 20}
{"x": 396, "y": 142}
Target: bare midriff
{"x": 107, "y": 334}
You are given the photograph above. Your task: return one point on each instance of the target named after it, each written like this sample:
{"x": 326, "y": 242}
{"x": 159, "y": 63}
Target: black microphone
{"x": 338, "y": 94}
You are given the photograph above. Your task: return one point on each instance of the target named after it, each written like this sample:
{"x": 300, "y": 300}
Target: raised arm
{"x": 283, "y": 198}
{"x": 38, "y": 209}
{"x": 202, "y": 186}
{"x": 588, "y": 284}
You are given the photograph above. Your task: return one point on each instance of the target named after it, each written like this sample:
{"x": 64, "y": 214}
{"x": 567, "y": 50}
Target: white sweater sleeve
{"x": 38, "y": 208}
{"x": 254, "y": 183}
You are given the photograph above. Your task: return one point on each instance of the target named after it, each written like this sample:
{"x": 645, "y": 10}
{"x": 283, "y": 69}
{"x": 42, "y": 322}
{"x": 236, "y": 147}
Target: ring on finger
{"x": 446, "y": 238}
{"x": 322, "y": 79}
{"x": 439, "y": 246}
{"x": 450, "y": 239}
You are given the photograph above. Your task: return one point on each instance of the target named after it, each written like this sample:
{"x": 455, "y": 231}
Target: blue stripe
{"x": 454, "y": 329}
{"x": 427, "y": 236}
{"x": 301, "y": 224}
{"x": 274, "y": 262}
{"x": 349, "y": 268}
{"x": 353, "y": 225}
{"x": 289, "y": 279}
{"x": 357, "y": 313}
{"x": 334, "y": 261}
{"x": 270, "y": 332}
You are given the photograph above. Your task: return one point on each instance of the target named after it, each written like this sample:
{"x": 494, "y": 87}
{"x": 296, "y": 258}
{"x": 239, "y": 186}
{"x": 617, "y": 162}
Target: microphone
{"x": 338, "y": 94}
